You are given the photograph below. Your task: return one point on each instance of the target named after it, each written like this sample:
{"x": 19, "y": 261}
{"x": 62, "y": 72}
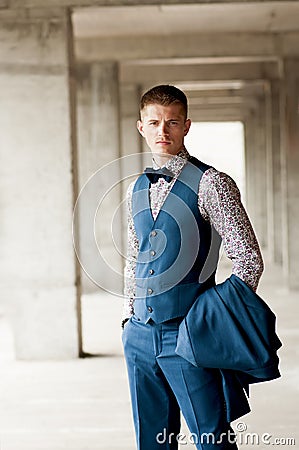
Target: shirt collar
{"x": 176, "y": 163}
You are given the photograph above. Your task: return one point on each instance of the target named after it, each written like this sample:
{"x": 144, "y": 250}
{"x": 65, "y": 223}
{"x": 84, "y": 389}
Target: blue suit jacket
{"x": 231, "y": 328}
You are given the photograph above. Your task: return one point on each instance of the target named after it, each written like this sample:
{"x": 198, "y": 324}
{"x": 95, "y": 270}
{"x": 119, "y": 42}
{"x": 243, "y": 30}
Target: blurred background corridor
{"x": 71, "y": 75}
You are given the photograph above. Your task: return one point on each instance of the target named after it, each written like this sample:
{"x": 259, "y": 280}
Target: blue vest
{"x": 178, "y": 252}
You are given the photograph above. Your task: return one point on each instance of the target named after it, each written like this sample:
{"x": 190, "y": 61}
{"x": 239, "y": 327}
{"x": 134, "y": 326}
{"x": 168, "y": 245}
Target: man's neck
{"x": 161, "y": 160}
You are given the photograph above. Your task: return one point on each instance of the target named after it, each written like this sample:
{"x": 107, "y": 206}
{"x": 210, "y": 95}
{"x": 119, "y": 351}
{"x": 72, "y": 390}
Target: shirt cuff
{"x": 124, "y": 321}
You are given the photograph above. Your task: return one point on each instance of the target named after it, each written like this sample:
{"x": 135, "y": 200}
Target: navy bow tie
{"x": 154, "y": 175}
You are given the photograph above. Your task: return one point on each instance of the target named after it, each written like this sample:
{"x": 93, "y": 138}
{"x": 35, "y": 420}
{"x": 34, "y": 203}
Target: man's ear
{"x": 187, "y": 126}
{"x": 140, "y": 127}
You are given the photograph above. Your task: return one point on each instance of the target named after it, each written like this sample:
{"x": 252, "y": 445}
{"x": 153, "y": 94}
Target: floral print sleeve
{"x": 132, "y": 253}
{"x": 220, "y": 202}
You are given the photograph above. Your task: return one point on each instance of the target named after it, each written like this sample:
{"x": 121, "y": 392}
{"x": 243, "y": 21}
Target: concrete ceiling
{"x": 174, "y": 19}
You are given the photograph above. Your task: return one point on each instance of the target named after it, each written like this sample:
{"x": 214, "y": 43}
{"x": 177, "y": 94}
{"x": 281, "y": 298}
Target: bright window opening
{"x": 220, "y": 144}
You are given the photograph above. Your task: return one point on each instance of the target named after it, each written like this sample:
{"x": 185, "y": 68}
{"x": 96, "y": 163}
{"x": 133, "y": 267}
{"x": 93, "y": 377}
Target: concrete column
{"x": 131, "y": 143}
{"x": 255, "y": 168}
{"x": 260, "y": 165}
{"x": 129, "y": 107}
{"x": 275, "y": 182}
{"x": 89, "y": 157}
{"x": 250, "y": 147}
{"x": 99, "y": 151}
{"x": 290, "y": 170}
{"x": 39, "y": 280}
{"x": 89, "y": 161}
{"x": 269, "y": 172}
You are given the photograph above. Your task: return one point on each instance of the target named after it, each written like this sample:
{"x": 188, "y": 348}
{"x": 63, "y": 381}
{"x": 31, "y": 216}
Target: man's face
{"x": 164, "y": 128}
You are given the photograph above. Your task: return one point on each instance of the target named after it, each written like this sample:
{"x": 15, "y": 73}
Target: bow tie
{"x": 154, "y": 175}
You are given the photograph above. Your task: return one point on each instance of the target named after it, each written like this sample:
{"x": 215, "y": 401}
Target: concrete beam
{"x": 229, "y": 115}
{"x": 223, "y": 102}
{"x": 222, "y": 109}
{"x": 23, "y": 14}
{"x": 73, "y": 3}
{"x": 245, "y": 87}
{"x": 245, "y": 92}
{"x": 172, "y": 74}
{"x": 215, "y": 45}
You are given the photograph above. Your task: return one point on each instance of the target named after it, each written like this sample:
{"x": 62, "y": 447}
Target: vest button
{"x": 151, "y": 271}
{"x": 154, "y": 233}
{"x": 152, "y": 252}
{"x": 150, "y": 291}
{"x": 150, "y": 309}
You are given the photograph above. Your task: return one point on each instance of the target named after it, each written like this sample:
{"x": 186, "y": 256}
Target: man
{"x": 176, "y": 212}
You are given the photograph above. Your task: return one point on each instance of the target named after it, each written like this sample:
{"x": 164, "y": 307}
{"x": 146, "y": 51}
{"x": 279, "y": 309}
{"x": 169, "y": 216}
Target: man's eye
{"x": 173, "y": 122}
{"x": 153, "y": 123}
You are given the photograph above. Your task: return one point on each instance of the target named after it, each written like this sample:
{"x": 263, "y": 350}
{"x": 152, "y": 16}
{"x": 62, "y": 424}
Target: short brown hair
{"x": 165, "y": 95}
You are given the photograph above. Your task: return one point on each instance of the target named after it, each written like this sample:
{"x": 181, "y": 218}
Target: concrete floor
{"x": 84, "y": 404}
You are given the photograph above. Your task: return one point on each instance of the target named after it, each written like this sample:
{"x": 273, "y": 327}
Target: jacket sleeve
{"x": 230, "y": 327}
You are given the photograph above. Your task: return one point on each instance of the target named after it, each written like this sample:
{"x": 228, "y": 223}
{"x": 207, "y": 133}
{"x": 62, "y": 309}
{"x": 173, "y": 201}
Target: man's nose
{"x": 163, "y": 128}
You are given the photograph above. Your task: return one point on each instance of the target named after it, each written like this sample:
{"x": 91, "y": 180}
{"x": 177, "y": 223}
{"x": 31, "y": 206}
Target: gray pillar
{"x": 250, "y": 147}
{"x": 131, "y": 143}
{"x": 255, "y": 168}
{"x": 130, "y": 137}
{"x": 275, "y": 186}
{"x": 260, "y": 165}
{"x": 89, "y": 160}
{"x": 269, "y": 172}
{"x": 99, "y": 151}
{"x": 39, "y": 279}
{"x": 290, "y": 170}
{"x": 88, "y": 156}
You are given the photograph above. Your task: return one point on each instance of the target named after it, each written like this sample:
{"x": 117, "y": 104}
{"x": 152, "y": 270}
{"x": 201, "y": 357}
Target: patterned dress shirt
{"x": 219, "y": 202}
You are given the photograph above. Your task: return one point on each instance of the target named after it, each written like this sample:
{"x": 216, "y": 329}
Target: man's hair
{"x": 165, "y": 95}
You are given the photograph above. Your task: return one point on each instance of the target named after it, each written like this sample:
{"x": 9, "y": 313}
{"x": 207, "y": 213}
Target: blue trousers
{"x": 163, "y": 383}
